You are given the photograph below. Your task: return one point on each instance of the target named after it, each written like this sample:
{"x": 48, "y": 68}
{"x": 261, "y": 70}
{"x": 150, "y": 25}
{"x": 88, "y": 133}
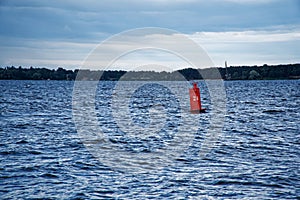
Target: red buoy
{"x": 195, "y": 100}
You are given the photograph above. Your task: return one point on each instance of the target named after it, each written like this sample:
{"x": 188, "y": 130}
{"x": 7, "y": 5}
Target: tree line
{"x": 265, "y": 72}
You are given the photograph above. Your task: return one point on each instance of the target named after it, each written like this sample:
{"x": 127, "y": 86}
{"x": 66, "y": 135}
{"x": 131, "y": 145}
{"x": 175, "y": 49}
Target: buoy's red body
{"x": 195, "y": 100}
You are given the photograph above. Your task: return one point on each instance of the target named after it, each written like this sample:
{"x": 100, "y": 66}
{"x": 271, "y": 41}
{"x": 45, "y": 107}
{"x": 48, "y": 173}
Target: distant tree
{"x": 245, "y": 75}
{"x": 254, "y": 75}
{"x": 36, "y": 76}
{"x": 235, "y": 75}
{"x": 290, "y": 71}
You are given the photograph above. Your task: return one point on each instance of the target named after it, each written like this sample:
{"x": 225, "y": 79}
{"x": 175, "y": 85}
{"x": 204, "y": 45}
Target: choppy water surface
{"x": 257, "y": 156}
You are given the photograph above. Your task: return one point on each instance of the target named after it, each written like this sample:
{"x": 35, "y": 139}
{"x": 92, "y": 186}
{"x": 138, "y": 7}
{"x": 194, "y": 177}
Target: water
{"x": 256, "y": 157}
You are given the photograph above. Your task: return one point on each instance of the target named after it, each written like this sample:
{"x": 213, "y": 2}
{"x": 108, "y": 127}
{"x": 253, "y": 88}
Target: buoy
{"x": 195, "y": 100}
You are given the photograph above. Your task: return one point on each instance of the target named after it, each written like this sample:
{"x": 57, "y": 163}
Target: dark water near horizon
{"x": 256, "y": 157}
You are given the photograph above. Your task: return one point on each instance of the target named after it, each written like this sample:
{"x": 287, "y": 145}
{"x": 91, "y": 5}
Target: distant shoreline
{"x": 265, "y": 72}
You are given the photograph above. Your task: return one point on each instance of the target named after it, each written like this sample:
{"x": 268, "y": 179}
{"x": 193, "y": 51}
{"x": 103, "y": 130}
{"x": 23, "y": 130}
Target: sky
{"x": 54, "y": 33}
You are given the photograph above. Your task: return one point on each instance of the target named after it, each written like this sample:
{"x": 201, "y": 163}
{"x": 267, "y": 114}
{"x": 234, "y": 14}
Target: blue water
{"x": 256, "y": 157}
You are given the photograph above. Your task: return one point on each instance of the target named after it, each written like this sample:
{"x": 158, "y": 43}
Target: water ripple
{"x": 257, "y": 157}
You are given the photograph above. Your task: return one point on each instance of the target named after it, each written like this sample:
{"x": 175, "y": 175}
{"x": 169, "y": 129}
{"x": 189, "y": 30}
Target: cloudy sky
{"x": 54, "y": 33}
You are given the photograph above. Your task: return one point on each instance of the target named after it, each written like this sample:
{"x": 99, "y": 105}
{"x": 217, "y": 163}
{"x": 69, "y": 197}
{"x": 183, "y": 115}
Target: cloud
{"x": 250, "y": 31}
{"x": 251, "y": 47}
{"x": 251, "y": 1}
{"x": 29, "y": 52}
{"x": 237, "y": 47}
{"x": 49, "y": 19}
{"x": 249, "y": 36}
